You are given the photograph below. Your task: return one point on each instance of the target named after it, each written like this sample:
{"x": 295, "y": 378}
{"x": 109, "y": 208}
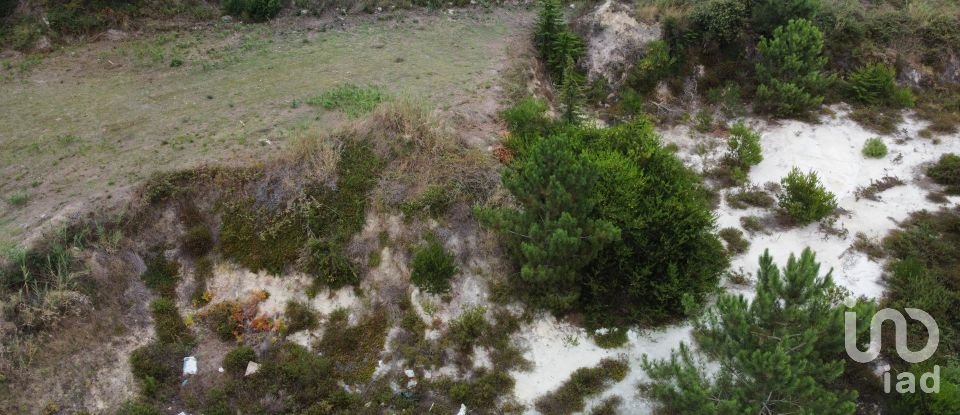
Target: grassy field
{"x": 86, "y": 123}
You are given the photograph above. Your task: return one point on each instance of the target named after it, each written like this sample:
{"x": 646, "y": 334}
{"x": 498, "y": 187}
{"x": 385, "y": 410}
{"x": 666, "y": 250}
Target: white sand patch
{"x": 833, "y": 149}
{"x": 232, "y": 282}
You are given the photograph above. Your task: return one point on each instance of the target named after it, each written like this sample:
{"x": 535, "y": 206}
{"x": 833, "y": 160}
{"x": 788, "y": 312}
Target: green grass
{"x": 350, "y": 99}
{"x": 18, "y": 199}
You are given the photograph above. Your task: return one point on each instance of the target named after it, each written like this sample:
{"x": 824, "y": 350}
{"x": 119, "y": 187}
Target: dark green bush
{"x": 736, "y": 244}
{"x": 432, "y": 267}
{"x": 235, "y": 362}
{"x": 947, "y": 172}
{"x": 327, "y": 262}
{"x": 169, "y": 325}
{"x": 607, "y": 218}
{"x": 299, "y": 317}
{"x": 198, "y": 241}
{"x": 161, "y": 275}
{"x": 483, "y": 390}
{"x": 790, "y": 70}
{"x": 876, "y": 84}
{"x": 583, "y": 383}
{"x": 750, "y": 196}
{"x": 255, "y": 10}
{"x": 767, "y": 15}
{"x": 719, "y": 21}
{"x": 655, "y": 66}
{"x": 804, "y": 198}
{"x": 469, "y": 327}
{"x": 157, "y": 367}
{"x": 138, "y": 408}
{"x": 434, "y": 201}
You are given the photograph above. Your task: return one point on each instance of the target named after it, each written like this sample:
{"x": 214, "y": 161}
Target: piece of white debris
{"x": 220, "y": 369}
{"x": 252, "y": 367}
{"x": 463, "y": 410}
{"x": 410, "y": 373}
{"x": 189, "y": 365}
{"x": 411, "y": 384}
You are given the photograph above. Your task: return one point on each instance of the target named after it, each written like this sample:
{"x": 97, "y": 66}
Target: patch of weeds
{"x": 328, "y": 264}
{"x": 162, "y": 275}
{"x": 752, "y": 224}
{"x": 224, "y": 319}
{"x": 138, "y": 408}
{"x": 483, "y": 390}
{"x": 947, "y": 172}
{"x": 938, "y": 197}
{"x": 467, "y": 328}
{"x": 804, "y": 198}
{"x": 169, "y": 325}
{"x": 432, "y": 266}
{"x": 299, "y": 316}
{"x": 198, "y": 241}
{"x": 583, "y": 383}
{"x": 738, "y": 277}
{"x": 203, "y": 270}
{"x": 352, "y": 100}
{"x": 703, "y": 122}
{"x": 374, "y": 259}
{"x": 434, "y": 201}
{"x": 18, "y": 199}
{"x": 163, "y": 186}
{"x": 876, "y": 187}
{"x": 828, "y": 226}
{"x": 750, "y": 196}
{"x": 880, "y": 120}
{"x": 608, "y": 406}
{"x": 610, "y": 338}
{"x": 235, "y": 362}
{"x": 875, "y": 148}
{"x": 736, "y": 244}
{"x": 156, "y": 368}
{"x": 863, "y": 244}
{"x": 355, "y": 350}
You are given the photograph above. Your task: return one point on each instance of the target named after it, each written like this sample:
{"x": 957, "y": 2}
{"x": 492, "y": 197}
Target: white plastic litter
{"x": 252, "y": 367}
{"x": 410, "y": 373}
{"x": 220, "y": 369}
{"x": 463, "y": 410}
{"x": 189, "y": 365}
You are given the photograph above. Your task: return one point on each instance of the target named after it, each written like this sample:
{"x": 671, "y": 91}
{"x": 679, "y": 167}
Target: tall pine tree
{"x": 782, "y": 352}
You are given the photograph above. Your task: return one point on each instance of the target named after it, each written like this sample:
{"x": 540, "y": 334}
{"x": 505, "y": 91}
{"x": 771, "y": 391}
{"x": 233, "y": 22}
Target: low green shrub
{"x": 434, "y": 201}
{"x": 750, "y": 196}
{"x": 162, "y": 275}
{"x": 876, "y": 84}
{"x": 655, "y": 66}
{"x": 328, "y": 264}
{"x": 221, "y": 319}
{"x": 583, "y": 383}
{"x": 255, "y": 10}
{"x": 138, "y": 408}
{"x": 483, "y": 390}
{"x": 299, "y": 316}
{"x": 736, "y": 244}
{"x": 804, "y": 198}
{"x": 18, "y": 199}
{"x": 752, "y": 224}
{"x": 790, "y": 70}
{"x": 946, "y": 172}
{"x": 169, "y": 325}
{"x": 433, "y": 267}
{"x": 356, "y": 349}
{"x": 611, "y": 338}
{"x": 156, "y": 367}
{"x": 198, "y": 241}
{"x": 235, "y": 362}
{"x": 875, "y": 148}
{"x": 468, "y": 327}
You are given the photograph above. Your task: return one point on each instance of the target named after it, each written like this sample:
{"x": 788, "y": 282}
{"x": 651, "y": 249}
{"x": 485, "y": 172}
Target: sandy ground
{"x": 833, "y": 149}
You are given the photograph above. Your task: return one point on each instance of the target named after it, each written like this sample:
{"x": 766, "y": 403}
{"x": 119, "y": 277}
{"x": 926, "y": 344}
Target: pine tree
{"x": 790, "y": 71}
{"x": 549, "y": 25}
{"x": 571, "y": 93}
{"x": 779, "y": 353}
{"x": 559, "y": 231}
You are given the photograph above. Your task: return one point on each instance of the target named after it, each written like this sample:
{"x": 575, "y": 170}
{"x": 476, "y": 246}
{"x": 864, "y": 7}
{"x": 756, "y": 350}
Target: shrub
{"x": 555, "y": 43}
{"x": 605, "y": 217}
{"x": 804, "y": 198}
{"x": 719, "y": 21}
{"x": 18, "y": 199}
{"x": 328, "y": 264}
{"x": 767, "y": 15}
{"x": 198, "y": 241}
{"x": 790, "y": 70}
{"x": 876, "y": 84}
{"x": 223, "y": 319}
{"x": 526, "y": 118}
{"x": 433, "y": 267}
{"x": 750, "y": 196}
{"x": 946, "y": 172}
{"x": 255, "y": 10}
{"x": 468, "y": 327}
{"x": 736, "y": 244}
{"x": 157, "y": 367}
{"x": 583, "y": 383}
{"x": 161, "y": 275}
{"x": 235, "y": 362}
{"x": 138, "y": 408}
{"x": 752, "y": 224}
{"x": 875, "y": 148}
{"x": 483, "y": 390}
{"x": 743, "y": 151}
{"x": 299, "y": 317}
{"x": 434, "y": 201}
{"x": 356, "y": 349}
{"x": 655, "y": 66}
{"x": 169, "y": 325}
